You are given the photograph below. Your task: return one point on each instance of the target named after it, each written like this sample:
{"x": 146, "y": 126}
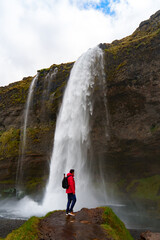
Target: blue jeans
{"x": 71, "y": 202}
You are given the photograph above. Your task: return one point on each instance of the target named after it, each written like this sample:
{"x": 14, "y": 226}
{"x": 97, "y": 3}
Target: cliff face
{"x": 131, "y": 154}
{"x": 42, "y": 115}
{"x": 127, "y": 144}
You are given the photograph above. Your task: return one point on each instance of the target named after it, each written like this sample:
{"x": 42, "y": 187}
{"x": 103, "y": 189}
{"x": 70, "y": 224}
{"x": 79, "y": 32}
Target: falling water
{"x": 30, "y": 95}
{"x": 72, "y": 134}
{"x": 71, "y": 142}
{"x": 46, "y": 94}
{"x": 26, "y": 114}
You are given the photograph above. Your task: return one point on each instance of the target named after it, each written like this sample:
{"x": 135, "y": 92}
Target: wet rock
{"x": 85, "y": 225}
{"x": 150, "y": 236}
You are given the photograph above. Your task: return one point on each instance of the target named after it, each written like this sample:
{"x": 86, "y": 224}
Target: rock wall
{"x": 45, "y": 105}
{"x": 125, "y": 142}
{"x": 131, "y": 153}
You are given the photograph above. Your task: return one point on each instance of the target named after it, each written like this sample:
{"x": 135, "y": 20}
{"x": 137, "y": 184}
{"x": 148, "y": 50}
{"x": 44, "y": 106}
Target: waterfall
{"x": 72, "y": 146}
{"x": 29, "y": 99}
{"x": 23, "y": 141}
{"x": 72, "y": 134}
{"x": 28, "y": 115}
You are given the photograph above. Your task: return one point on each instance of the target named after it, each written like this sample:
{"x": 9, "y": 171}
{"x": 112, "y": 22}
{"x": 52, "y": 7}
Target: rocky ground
{"x": 85, "y": 225}
{"x": 7, "y": 225}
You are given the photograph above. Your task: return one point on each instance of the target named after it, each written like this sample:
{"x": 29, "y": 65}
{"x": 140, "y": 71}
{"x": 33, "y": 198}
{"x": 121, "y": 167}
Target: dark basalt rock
{"x": 152, "y": 23}
{"x": 129, "y": 153}
{"x": 45, "y": 105}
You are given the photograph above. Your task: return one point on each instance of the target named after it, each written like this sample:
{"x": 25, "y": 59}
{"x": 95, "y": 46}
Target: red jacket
{"x": 71, "y": 184}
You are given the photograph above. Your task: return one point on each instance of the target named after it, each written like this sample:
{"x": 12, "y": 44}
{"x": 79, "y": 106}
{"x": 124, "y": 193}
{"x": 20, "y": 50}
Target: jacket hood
{"x": 69, "y": 174}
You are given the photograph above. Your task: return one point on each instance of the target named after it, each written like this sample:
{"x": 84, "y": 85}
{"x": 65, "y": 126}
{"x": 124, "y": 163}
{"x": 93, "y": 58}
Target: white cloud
{"x": 35, "y": 34}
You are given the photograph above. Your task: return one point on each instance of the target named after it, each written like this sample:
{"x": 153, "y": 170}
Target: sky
{"x": 35, "y": 34}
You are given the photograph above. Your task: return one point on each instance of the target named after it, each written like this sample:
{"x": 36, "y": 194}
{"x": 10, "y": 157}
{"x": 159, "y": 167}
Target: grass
{"x": 9, "y": 143}
{"x": 34, "y": 183}
{"x": 145, "y": 188}
{"x": 15, "y": 93}
{"x": 114, "y": 227}
{"x": 136, "y": 40}
{"x": 28, "y": 231}
{"x": 154, "y": 128}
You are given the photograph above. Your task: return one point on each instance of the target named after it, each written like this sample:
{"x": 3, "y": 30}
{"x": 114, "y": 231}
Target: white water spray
{"x": 72, "y": 142}
{"x": 72, "y": 134}
{"x": 26, "y": 114}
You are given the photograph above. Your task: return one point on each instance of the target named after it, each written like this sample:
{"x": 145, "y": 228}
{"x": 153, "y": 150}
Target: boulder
{"x": 148, "y": 235}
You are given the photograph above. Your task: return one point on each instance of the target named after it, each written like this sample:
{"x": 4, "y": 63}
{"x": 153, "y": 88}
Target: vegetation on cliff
{"x": 132, "y": 68}
{"x": 28, "y": 231}
{"x": 45, "y": 104}
{"x": 114, "y": 226}
{"x": 130, "y": 154}
{"x": 15, "y": 93}
{"x": 35, "y": 227}
{"x": 9, "y": 143}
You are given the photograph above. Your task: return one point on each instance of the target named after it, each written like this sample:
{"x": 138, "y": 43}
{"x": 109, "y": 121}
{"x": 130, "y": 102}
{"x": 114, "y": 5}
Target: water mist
{"x": 71, "y": 142}
{"x": 72, "y": 134}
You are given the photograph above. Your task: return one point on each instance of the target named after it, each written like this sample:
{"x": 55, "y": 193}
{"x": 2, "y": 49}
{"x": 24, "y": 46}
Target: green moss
{"x": 50, "y": 213}
{"x": 15, "y": 93}
{"x": 158, "y": 31}
{"x": 121, "y": 65}
{"x": 43, "y": 71}
{"x": 62, "y": 67}
{"x": 35, "y": 133}
{"x": 145, "y": 188}
{"x": 34, "y": 183}
{"x": 114, "y": 226}
{"x": 9, "y": 143}
{"x": 135, "y": 40}
{"x": 154, "y": 128}
{"x": 7, "y": 181}
{"x": 140, "y": 44}
{"x": 23, "y": 84}
{"x": 28, "y": 231}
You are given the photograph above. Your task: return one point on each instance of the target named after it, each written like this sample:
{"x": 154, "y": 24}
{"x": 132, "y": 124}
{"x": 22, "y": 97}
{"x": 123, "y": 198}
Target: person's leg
{"x": 73, "y": 197}
{"x": 69, "y": 202}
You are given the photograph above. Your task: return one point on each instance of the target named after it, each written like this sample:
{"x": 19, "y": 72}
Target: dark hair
{"x": 72, "y": 171}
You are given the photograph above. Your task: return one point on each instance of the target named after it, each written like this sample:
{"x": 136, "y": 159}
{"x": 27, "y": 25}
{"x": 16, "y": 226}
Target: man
{"x": 71, "y": 193}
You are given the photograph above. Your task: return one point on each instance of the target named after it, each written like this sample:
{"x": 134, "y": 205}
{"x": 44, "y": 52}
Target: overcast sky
{"x": 35, "y": 34}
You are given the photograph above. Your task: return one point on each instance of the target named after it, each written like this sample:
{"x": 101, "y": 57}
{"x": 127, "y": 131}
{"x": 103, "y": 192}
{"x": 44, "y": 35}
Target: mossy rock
{"x": 28, "y": 231}
{"x": 32, "y": 185}
{"x": 114, "y": 226}
{"x": 145, "y": 188}
{"x": 15, "y": 93}
{"x": 9, "y": 143}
